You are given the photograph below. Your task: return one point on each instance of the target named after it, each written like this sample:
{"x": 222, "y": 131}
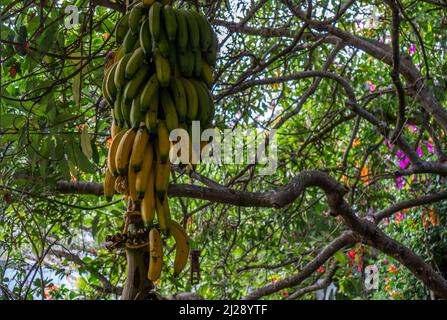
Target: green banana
{"x": 135, "y": 16}
{"x": 163, "y": 69}
{"x": 198, "y": 64}
{"x": 129, "y": 41}
{"x": 206, "y": 32}
{"x": 182, "y": 35}
{"x": 117, "y": 114}
{"x": 191, "y": 98}
{"x": 169, "y": 110}
{"x": 210, "y": 102}
{"x": 186, "y": 62}
{"x": 162, "y": 44}
{"x": 204, "y": 107}
{"x": 207, "y": 73}
{"x": 110, "y": 82}
{"x": 148, "y": 92}
{"x": 135, "y": 62}
{"x": 134, "y": 85}
{"x": 151, "y": 115}
{"x": 146, "y": 38}
{"x": 120, "y": 73}
{"x": 135, "y": 112}
{"x": 170, "y": 22}
{"x": 178, "y": 92}
{"x": 154, "y": 20}
{"x": 193, "y": 29}
{"x": 121, "y": 28}
{"x": 125, "y": 107}
{"x": 210, "y": 55}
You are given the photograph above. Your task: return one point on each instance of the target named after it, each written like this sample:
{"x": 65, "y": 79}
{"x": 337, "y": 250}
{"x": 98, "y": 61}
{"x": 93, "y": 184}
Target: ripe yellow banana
{"x": 124, "y": 150}
{"x": 141, "y": 182}
{"x": 112, "y": 153}
{"x": 109, "y": 185}
{"x": 162, "y": 173}
{"x": 131, "y": 178}
{"x": 164, "y": 145}
{"x": 115, "y": 129}
{"x": 155, "y": 255}
{"x": 181, "y": 246}
{"x": 139, "y": 148}
{"x": 148, "y": 202}
{"x": 163, "y": 213}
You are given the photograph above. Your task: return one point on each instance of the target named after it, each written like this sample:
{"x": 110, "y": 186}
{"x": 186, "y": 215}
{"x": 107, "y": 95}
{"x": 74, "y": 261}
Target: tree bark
{"x": 137, "y": 285}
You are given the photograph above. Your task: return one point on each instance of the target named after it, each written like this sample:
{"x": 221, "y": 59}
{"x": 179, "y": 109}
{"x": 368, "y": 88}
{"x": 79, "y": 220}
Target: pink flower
{"x": 420, "y": 153}
{"x": 429, "y": 146}
{"x": 412, "y": 48}
{"x": 386, "y": 261}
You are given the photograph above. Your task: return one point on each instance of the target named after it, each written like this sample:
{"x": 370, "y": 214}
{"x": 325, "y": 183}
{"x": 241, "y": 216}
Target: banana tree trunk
{"x": 137, "y": 285}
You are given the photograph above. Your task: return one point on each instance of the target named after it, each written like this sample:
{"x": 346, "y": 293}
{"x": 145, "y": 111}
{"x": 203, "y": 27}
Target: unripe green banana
{"x": 210, "y": 101}
{"x": 129, "y": 41}
{"x": 122, "y": 28}
{"x": 204, "y": 107}
{"x": 206, "y": 32}
{"x": 162, "y": 44}
{"x": 154, "y": 20}
{"x": 182, "y": 30}
{"x": 193, "y": 29}
{"x": 117, "y": 114}
{"x": 125, "y": 107}
{"x": 178, "y": 92}
{"x": 163, "y": 69}
{"x": 169, "y": 110}
{"x": 135, "y": 62}
{"x": 191, "y": 98}
{"x": 148, "y": 93}
{"x": 134, "y": 85}
{"x": 151, "y": 115}
{"x": 207, "y": 74}
{"x": 170, "y": 22}
{"x": 110, "y": 82}
{"x": 135, "y": 16}
{"x": 120, "y": 73}
{"x": 198, "y": 64}
{"x": 186, "y": 62}
{"x": 146, "y": 38}
{"x": 136, "y": 117}
{"x": 210, "y": 55}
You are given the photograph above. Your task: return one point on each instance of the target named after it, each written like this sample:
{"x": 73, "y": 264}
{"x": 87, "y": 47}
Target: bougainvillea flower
{"x": 386, "y": 261}
{"x": 429, "y": 146}
{"x": 412, "y": 48}
{"x": 420, "y": 153}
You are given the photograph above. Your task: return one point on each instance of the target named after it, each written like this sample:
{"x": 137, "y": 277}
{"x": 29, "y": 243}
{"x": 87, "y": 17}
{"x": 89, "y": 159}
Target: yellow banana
{"x": 115, "y": 129}
{"x": 155, "y": 255}
{"x": 146, "y": 168}
{"x": 131, "y": 178}
{"x": 124, "y": 150}
{"x": 164, "y": 145}
{"x": 112, "y": 153}
{"x": 181, "y": 247}
{"x": 163, "y": 213}
{"x": 139, "y": 148}
{"x": 148, "y": 202}
{"x": 162, "y": 172}
{"x": 109, "y": 185}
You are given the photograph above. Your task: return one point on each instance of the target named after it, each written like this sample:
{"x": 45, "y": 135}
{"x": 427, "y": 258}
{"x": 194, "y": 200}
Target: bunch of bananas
{"x": 157, "y": 81}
